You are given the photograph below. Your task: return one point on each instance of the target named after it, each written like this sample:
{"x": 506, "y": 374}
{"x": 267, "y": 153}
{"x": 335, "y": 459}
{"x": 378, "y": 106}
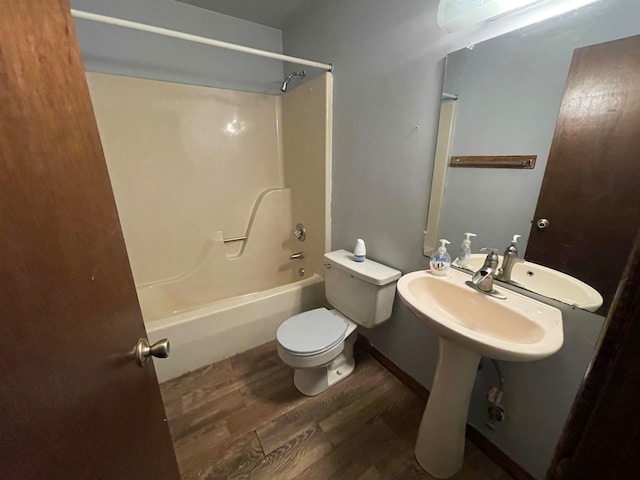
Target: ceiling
{"x": 273, "y": 13}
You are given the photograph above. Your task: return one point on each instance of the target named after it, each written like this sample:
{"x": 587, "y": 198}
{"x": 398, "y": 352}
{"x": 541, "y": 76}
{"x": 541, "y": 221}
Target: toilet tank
{"x": 362, "y": 291}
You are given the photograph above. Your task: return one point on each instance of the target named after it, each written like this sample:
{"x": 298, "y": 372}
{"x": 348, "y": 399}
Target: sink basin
{"x": 470, "y": 324}
{"x": 548, "y": 282}
{"x": 515, "y": 329}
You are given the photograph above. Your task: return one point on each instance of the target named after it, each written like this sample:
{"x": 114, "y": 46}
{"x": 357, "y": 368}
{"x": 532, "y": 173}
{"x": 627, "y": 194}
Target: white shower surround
{"x": 192, "y": 167}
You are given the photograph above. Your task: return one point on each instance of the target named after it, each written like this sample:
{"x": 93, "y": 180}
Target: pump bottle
{"x": 441, "y": 261}
{"x": 465, "y": 250}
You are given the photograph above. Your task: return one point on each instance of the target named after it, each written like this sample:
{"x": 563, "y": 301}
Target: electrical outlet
{"x": 494, "y": 395}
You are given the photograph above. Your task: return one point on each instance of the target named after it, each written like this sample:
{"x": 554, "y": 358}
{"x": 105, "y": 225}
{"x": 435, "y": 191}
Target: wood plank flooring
{"x": 242, "y": 418}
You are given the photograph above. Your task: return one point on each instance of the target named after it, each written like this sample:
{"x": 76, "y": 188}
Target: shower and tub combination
{"x": 223, "y": 197}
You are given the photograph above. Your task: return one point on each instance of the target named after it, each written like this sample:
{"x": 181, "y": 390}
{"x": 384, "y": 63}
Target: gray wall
{"x": 110, "y": 49}
{"x": 389, "y": 59}
{"x": 510, "y": 89}
{"x": 388, "y": 75}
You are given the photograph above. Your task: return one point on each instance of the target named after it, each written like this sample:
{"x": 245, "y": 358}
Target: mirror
{"x": 507, "y": 93}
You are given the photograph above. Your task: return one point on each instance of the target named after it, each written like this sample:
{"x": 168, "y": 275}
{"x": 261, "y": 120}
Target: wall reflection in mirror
{"x": 511, "y": 100}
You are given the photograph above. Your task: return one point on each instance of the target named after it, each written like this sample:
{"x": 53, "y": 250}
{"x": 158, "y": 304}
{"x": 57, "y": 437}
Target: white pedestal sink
{"x": 470, "y": 324}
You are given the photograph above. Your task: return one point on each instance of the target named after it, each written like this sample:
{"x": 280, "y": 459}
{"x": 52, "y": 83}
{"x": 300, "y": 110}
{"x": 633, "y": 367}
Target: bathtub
{"x": 224, "y": 328}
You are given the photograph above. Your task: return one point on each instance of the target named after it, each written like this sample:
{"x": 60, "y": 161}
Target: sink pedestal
{"x": 470, "y": 324}
{"x": 440, "y": 446}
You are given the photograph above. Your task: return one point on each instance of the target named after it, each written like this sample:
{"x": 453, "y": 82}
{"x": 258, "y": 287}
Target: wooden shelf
{"x": 495, "y": 161}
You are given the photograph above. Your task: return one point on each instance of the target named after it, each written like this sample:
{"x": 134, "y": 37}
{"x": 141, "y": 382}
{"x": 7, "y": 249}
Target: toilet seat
{"x": 312, "y": 333}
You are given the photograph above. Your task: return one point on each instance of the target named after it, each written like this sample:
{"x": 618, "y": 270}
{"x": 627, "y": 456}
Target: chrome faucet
{"x": 482, "y": 280}
{"x": 509, "y": 260}
{"x": 296, "y": 256}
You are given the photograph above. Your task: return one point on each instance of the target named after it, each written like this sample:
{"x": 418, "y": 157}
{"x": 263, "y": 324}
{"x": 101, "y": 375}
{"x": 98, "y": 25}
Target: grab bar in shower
{"x": 234, "y": 239}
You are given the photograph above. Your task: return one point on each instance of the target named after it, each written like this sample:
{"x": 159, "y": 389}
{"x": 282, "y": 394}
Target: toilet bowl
{"x": 318, "y": 344}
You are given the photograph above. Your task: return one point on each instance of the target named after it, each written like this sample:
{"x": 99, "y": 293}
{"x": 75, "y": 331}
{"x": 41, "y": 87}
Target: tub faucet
{"x": 482, "y": 280}
{"x": 296, "y": 256}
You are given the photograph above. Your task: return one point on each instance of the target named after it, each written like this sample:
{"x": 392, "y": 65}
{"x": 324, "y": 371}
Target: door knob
{"x": 542, "y": 223}
{"x": 160, "y": 349}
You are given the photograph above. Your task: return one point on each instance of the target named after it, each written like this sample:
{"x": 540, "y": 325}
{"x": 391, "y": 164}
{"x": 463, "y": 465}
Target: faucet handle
{"x": 487, "y": 249}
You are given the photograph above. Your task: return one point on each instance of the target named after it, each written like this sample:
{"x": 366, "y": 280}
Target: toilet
{"x": 318, "y": 344}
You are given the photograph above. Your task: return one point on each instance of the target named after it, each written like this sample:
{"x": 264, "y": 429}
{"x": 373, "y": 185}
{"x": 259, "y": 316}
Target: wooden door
{"x": 601, "y": 440}
{"x": 591, "y": 189}
{"x": 74, "y": 404}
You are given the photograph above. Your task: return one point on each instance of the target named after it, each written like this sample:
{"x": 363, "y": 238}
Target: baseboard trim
{"x": 474, "y": 435}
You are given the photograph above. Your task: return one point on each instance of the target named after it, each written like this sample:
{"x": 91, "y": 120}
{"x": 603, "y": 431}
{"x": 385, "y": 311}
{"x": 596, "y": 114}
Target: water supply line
{"x": 500, "y": 377}
{"x": 495, "y": 411}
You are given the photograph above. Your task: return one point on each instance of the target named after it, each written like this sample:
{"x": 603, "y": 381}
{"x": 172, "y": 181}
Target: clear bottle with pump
{"x": 441, "y": 261}
{"x": 465, "y": 250}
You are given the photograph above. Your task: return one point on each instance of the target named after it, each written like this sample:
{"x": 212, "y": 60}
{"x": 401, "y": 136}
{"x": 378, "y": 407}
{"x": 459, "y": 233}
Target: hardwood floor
{"x": 242, "y": 418}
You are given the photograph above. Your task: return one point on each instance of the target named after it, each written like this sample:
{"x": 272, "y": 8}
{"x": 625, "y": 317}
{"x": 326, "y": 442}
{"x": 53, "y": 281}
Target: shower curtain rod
{"x": 94, "y": 17}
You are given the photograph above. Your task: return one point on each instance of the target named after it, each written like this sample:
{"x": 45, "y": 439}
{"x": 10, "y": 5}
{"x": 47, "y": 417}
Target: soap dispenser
{"x": 441, "y": 261}
{"x": 465, "y": 250}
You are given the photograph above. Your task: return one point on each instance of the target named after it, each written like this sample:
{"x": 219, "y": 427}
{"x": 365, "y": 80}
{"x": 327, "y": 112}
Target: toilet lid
{"x": 311, "y": 332}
